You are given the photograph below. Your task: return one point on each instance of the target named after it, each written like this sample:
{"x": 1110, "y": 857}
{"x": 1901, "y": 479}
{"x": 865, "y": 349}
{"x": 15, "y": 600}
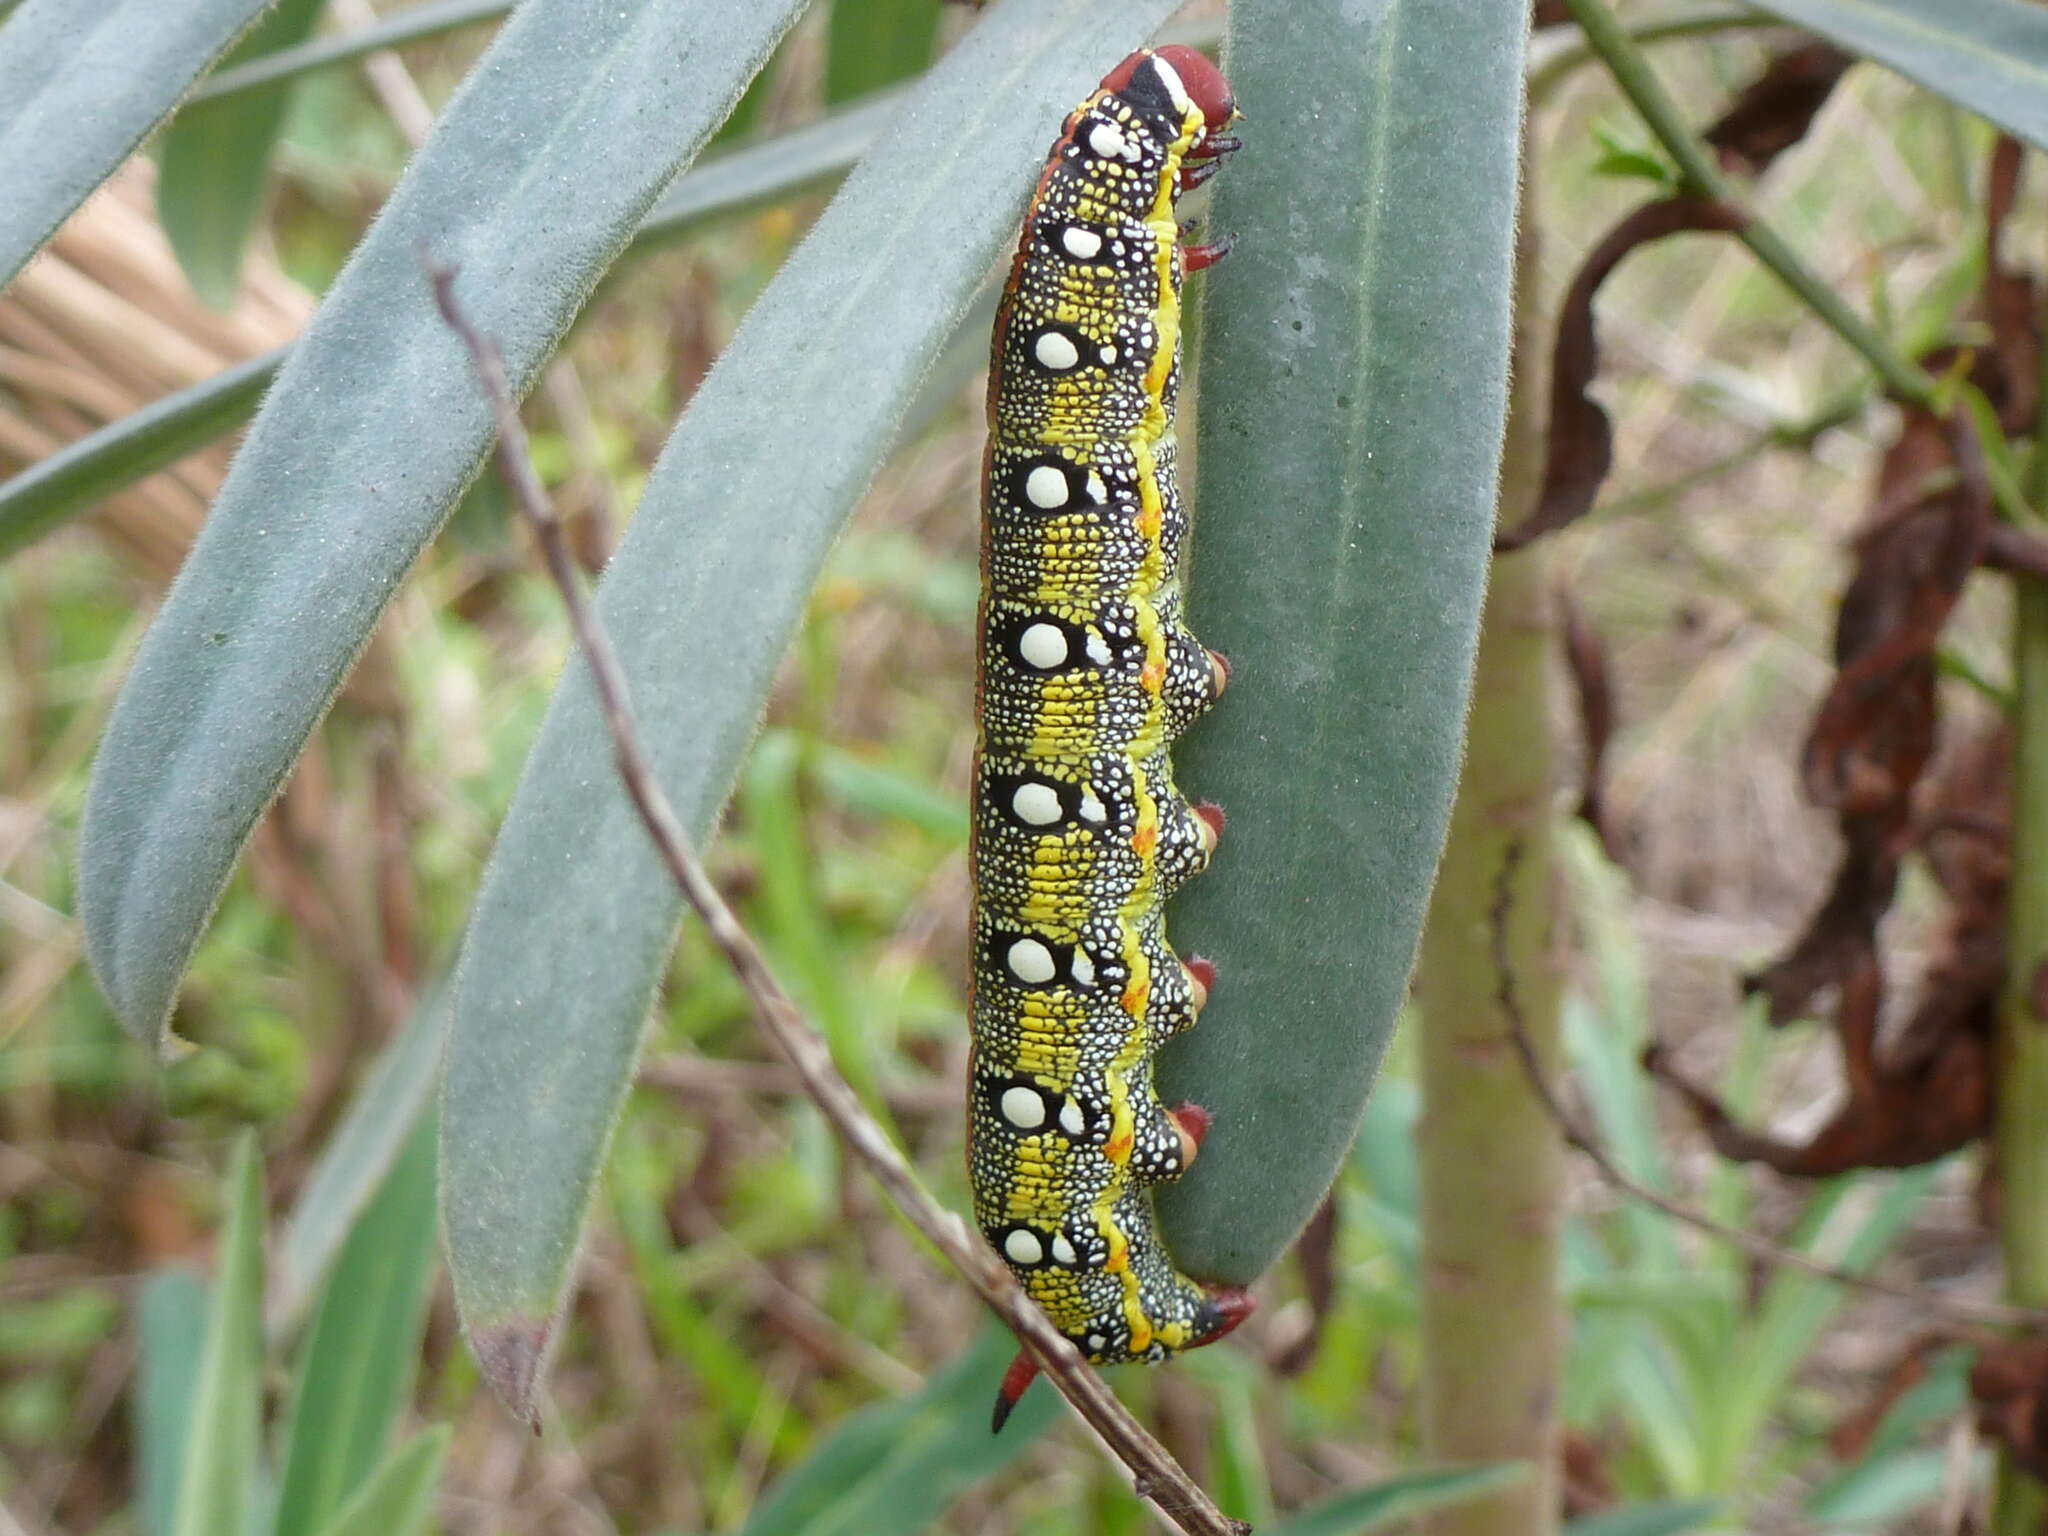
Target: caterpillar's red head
{"x": 1183, "y": 76}
{"x": 1204, "y": 83}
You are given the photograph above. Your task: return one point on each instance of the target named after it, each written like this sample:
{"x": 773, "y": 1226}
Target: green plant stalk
{"x": 2021, "y": 1132}
{"x": 1490, "y": 1161}
{"x": 287, "y": 65}
{"x": 1701, "y": 176}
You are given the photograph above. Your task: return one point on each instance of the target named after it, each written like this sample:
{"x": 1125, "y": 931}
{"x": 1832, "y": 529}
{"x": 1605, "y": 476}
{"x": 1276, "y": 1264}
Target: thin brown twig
{"x": 1155, "y": 1473}
{"x": 1958, "y": 1308}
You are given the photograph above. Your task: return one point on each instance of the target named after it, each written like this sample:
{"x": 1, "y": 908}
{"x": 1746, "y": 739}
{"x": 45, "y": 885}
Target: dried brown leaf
{"x": 1775, "y": 110}
{"x": 1581, "y": 442}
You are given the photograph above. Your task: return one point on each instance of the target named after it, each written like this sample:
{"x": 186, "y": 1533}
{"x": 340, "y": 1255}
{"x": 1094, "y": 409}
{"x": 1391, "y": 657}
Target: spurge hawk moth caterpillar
{"x": 1086, "y": 675}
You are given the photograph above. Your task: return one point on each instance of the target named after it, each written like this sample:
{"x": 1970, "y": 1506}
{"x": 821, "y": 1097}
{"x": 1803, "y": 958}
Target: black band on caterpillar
{"x": 1086, "y": 675}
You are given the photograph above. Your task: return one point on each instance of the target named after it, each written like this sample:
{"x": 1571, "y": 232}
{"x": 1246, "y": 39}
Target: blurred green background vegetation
{"x": 746, "y": 1299}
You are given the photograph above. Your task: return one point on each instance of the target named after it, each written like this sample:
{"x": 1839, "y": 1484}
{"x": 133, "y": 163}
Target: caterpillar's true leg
{"x": 1195, "y": 258}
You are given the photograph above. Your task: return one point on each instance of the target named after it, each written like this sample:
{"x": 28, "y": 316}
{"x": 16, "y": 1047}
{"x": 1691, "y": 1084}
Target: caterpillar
{"x": 1085, "y": 676}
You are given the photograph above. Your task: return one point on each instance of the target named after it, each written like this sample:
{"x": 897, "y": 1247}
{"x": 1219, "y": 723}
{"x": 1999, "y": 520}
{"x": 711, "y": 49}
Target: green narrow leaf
{"x": 539, "y": 171}
{"x": 873, "y": 43}
{"x": 214, "y": 166}
{"x": 69, "y": 482}
{"x": 1352, "y": 392}
{"x": 893, "y": 1469}
{"x": 411, "y": 25}
{"x": 1398, "y": 1498}
{"x": 381, "y": 1118}
{"x": 398, "y": 1498}
{"x": 1670, "y": 1518}
{"x": 577, "y": 915}
{"x": 356, "y": 1371}
{"x": 170, "y": 1322}
{"x": 1990, "y": 56}
{"x": 217, "y": 1479}
{"x": 81, "y": 83}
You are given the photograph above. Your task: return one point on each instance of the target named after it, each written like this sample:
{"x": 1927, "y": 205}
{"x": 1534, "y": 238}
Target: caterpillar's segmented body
{"x": 1086, "y": 676}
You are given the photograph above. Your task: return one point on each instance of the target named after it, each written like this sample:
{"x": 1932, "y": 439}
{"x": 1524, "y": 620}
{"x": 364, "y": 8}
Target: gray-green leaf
{"x": 534, "y": 180}
{"x": 577, "y": 915}
{"x": 214, "y": 166}
{"x": 81, "y": 83}
{"x": 1352, "y": 390}
{"x": 170, "y": 1327}
{"x": 217, "y": 1480}
{"x": 1990, "y": 56}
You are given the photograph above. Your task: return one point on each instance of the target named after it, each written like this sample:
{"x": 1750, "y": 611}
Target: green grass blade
{"x": 1796, "y": 1308}
{"x": 398, "y": 1498}
{"x": 170, "y": 1322}
{"x": 356, "y": 1371}
{"x": 536, "y": 176}
{"x": 1990, "y": 56}
{"x": 213, "y": 167}
{"x": 46, "y": 495}
{"x": 380, "y": 1120}
{"x": 50, "y": 493}
{"x": 287, "y": 65}
{"x": 873, "y": 43}
{"x": 895, "y": 1468}
{"x": 1670, "y": 1518}
{"x": 217, "y": 1479}
{"x": 768, "y": 172}
{"x": 81, "y": 83}
{"x": 1352, "y": 391}
{"x": 577, "y": 916}
{"x": 1398, "y": 1498}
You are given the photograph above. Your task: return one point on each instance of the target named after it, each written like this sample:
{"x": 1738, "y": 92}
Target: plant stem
{"x": 1491, "y": 1161}
{"x": 1703, "y": 177}
{"x": 2022, "y": 1075}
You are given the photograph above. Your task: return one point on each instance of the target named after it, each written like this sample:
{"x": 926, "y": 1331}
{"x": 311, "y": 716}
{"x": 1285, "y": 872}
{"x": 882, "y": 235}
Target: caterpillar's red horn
{"x": 1016, "y": 1382}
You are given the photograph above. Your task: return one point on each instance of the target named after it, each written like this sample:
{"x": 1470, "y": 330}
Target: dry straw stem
{"x": 101, "y": 324}
{"x": 1957, "y": 1309}
{"x": 1157, "y": 1475}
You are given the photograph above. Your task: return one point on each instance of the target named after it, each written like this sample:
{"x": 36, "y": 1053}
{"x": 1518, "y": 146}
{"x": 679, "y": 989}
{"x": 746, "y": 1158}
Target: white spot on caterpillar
{"x": 1072, "y": 1121}
{"x": 1023, "y": 1247}
{"x": 1063, "y": 1251}
{"x": 1170, "y": 78}
{"x": 1108, "y": 141}
{"x": 1055, "y": 351}
{"x": 1098, "y": 649}
{"x": 1084, "y": 968}
{"x": 1046, "y": 486}
{"x": 1030, "y": 961}
{"x": 1043, "y": 646}
{"x": 1109, "y": 356}
{"x": 1023, "y": 1107}
{"x": 1097, "y": 491}
{"x": 1037, "y": 805}
{"x": 1092, "y": 809}
{"x": 1083, "y": 244}
{"x": 1096, "y": 1342}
